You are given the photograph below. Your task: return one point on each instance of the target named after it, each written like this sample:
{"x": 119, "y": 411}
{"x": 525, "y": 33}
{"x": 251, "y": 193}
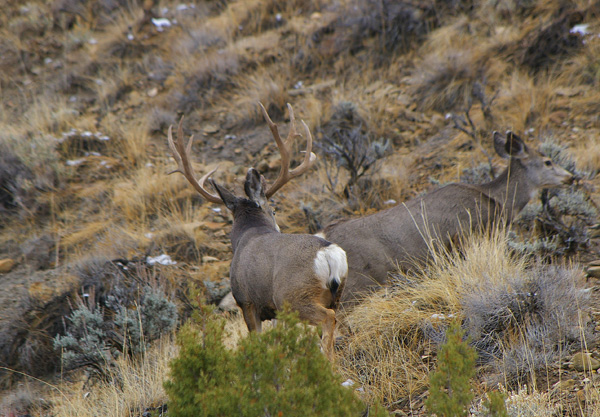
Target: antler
{"x": 181, "y": 155}
{"x": 285, "y": 174}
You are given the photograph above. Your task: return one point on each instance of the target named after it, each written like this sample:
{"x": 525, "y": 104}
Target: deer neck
{"x": 511, "y": 189}
{"x": 247, "y": 225}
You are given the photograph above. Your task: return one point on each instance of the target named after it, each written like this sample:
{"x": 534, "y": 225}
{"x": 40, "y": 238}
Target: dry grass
{"x": 135, "y": 387}
{"x": 587, "y": 154}
{"x": 394, "y": 334}
{"x": 64, "y": 70}
{"x": 388, "y": 331}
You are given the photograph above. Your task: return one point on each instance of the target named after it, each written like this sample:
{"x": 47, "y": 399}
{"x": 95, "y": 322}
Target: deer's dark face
{"x": 254, "y": 210}
{"x": 255, "y": 186}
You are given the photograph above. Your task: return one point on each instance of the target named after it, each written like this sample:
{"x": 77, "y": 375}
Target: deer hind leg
{"x": 325, "y": 317}
{"x": 251, "y": 317}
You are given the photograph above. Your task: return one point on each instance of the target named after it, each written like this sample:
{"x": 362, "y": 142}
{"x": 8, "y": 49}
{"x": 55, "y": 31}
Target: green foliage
{"x": 275, "y": 373}
{"x": 93, "y": 339}
{"x": 84, "y": 343}
{"x": 496, "y": 404}
{"x": 450, "y": 389}
{"x": 156, "y": 316}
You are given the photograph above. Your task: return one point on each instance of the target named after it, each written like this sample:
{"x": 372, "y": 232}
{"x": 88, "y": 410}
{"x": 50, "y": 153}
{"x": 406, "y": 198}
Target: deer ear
{"x": 510, "y": 145}
{"x": 255, "y": 186}
{"x": 228, "y": 198}
{"x": 515, "y": 147}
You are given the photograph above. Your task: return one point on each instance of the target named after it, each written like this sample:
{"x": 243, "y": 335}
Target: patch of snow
{"x": 160, "y": 259}
{"x": 161, "y": 23}
{"x": 581, "y": 29}
{"x": 75, "y": 162}
{"x": 348, "y": 383}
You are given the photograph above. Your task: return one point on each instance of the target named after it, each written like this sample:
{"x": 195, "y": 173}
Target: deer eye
{"x": 547, "y": 162}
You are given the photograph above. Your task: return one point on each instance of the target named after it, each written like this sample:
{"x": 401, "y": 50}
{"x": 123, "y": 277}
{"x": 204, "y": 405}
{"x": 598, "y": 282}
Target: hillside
{"x": 400, "y": 98}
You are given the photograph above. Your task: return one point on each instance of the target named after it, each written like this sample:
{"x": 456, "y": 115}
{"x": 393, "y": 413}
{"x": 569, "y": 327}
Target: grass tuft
{"x": 512, "y": 310}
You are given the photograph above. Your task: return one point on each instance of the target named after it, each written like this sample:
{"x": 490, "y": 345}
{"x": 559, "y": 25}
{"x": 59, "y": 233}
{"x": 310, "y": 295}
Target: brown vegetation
{"x": 89, "y": 89}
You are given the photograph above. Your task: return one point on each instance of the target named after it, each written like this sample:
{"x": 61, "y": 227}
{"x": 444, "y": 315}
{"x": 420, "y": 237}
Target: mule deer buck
{"x": 270, "y": 268}
{"x": 404, "y": 235}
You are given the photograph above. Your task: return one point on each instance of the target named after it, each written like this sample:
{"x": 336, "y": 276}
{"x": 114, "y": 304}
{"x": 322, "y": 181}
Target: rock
{"x": 228, "y": 303}
{"x": 565, "y": 385}
{"x": 593, "y": 271}
{"x": 210, "y": 128}
{"x": 216, "y": 291}
{"x": 438, "y": 121}
{"x": 6, "y": 265}
{"x": 209, "y": 259}
{"x": 558, "y": 117}
{"x": 583, "y": 361}
{"x": 152, "y": 92}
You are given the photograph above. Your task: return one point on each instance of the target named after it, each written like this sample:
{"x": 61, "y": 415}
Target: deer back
{"x": 404, "y": 236}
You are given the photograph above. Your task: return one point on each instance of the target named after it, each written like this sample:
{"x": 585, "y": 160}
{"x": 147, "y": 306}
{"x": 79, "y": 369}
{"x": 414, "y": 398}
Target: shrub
{"x": 560, "y": 221}
{"x": 84, "y": 345}
{"x": 529, "y": 320}
{"x": 395, "y": 26}
{"x": 347, "y": 144}
{"x": 156, "y": 316}
{"x": 278, "y": 372}
{"x": 94, "y": 338}
{"x": 29, "y": 165}
{"x": 450, "y": 80}
{"x": 450, "y": 388}
{"x": 496, "y": 404}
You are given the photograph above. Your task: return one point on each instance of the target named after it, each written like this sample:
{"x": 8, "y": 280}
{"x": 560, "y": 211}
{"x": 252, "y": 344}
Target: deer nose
{"x": 568, "y": 180}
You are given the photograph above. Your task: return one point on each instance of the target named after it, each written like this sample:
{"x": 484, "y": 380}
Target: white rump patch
{"x": 331, "y": 265}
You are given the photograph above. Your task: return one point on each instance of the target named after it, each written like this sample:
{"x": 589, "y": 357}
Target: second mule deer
{"x": 402, "y": 236}
{"x": 270, "y": 268}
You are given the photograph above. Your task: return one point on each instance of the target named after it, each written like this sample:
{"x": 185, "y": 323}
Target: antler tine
{"x": 285, "y": 175}
{"x": 309, "y": 156}
{"x": 184, "y": 166}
